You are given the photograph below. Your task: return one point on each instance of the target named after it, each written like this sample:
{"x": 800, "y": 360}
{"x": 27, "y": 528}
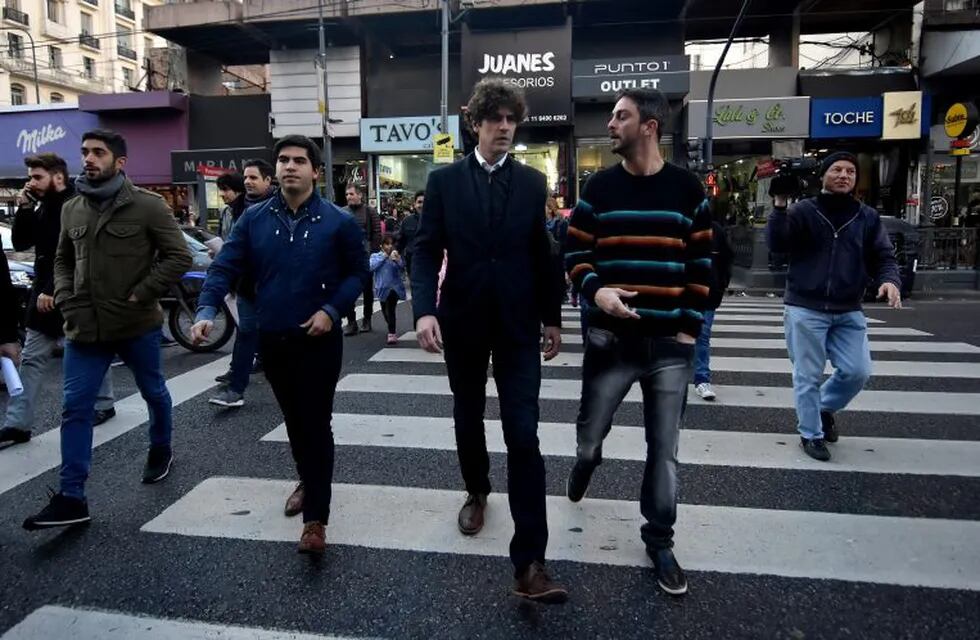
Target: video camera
{"x": 794, "y": 176}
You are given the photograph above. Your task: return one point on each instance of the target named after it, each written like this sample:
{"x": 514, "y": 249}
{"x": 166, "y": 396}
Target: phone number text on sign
{"x": 549, "y": 118}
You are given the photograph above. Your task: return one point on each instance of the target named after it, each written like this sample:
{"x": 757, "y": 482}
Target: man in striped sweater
{"x": 638, "y": 250}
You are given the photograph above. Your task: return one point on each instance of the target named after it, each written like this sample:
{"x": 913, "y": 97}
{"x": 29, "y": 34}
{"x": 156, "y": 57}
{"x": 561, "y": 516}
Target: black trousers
{"x": 368, "y": 304}
{"x": 517, "y": 372}
{"x": 388, "y": 307}
{"x": 303, "y": 373}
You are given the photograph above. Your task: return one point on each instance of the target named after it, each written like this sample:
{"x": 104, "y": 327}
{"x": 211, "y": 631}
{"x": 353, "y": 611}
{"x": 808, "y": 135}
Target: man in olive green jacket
{"x": 120, "y": 250}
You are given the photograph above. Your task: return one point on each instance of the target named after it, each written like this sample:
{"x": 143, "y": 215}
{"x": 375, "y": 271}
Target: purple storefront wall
{"x": 153, "y": 123}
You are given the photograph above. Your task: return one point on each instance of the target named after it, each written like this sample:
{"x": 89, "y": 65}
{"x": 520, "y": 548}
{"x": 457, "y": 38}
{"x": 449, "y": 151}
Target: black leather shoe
{"x": 578, "y": 480}
{"x": 471, "y": 516}
{"x": 104, "y": 415}
{"x": 670, "y": 576}
{"x": 816, "y": 449}
{"x": 829, "y": 426}
{"x": 9, "y": 436}
{"x": 158, "y": 462}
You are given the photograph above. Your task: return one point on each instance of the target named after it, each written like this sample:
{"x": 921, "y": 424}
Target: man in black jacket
{"x": 409, "y": 229}
{"x": 834, "y": 242}
{"x": 37, "y": 224}
{"x": 370, "y": 223}
{"x": 486, "y": 212}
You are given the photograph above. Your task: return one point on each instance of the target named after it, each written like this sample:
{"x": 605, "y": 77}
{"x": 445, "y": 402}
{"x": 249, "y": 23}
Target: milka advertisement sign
{"x": 539, "y": 61}
{"x": 25, "y": 133}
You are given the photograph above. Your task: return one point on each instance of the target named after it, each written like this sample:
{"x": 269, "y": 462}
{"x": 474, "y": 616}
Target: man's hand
{"x": 318, "y": 324}
{"x": 683, "y": 338}
{"x": 890, "y": 291}
{"x": 551, "y": 342}
{"x": 10, "y": 350}
{"x": 429, "y": 334}
{"x": 45, "y": 303}
{"x": 22, "y": 197}
{"x": 201, "y": 330}
{"x": 608, "y": 299}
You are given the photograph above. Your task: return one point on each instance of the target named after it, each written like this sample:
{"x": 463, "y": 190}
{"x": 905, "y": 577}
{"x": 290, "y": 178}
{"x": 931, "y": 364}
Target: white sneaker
{"x": 705, "y": 391}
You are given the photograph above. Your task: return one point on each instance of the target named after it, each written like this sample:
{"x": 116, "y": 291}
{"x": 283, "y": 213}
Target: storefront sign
{"x": 961, "y": 119}
{"x": 606, "y": 77}
{"x": 845, "y": 117}
{"x": 938, "y": 208}
{"x": 752, "y": 118}
{"x": 187, "y": 165}
{"x": 403, "y": 135}
{"x": 536, "y": 60}
{"x": 902, "y": 115}
{"x": 25, "y": 133}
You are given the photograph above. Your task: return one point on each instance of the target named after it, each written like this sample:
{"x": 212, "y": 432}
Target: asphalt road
{"x": 776, "y": 546}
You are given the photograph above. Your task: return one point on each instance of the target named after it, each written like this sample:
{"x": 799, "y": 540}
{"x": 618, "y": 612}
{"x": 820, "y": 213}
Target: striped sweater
{"x": 649, "y": 234}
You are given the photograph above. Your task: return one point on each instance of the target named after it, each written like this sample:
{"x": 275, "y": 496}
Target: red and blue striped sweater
{"x": 649, "y": 234}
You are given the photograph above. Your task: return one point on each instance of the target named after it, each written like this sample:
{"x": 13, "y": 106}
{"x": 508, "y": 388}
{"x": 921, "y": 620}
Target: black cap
{"x": 836, "y": 156}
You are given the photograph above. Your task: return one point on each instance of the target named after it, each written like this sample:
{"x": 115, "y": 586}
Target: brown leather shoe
{"x": 535, "y": 584}
{"x": 314, "y": 539}
{"x": 470, "y": 519}
{"x": 294, "y": 503}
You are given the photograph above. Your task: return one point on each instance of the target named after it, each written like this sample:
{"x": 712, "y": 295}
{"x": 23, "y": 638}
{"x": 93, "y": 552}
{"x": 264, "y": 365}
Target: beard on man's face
{"x": 97, "y": 174}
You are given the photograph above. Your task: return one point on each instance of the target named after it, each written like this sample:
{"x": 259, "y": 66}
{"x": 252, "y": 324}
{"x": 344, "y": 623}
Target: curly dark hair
{"x": 489, "y": 95}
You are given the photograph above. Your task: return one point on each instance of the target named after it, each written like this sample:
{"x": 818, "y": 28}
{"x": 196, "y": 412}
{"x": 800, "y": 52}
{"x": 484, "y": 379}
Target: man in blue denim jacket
{"x": 307, "y": 259}
{"x": 835, "y": 244}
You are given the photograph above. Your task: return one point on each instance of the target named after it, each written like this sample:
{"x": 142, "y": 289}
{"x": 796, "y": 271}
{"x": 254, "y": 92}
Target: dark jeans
{"x": 368, "y": 304}
{"x": 389, "y": 306}
{"x": 663, "y": 367}
{"x": 517, "y": 372}
{"x": 303, "y": 373}
{"x": 246, "y": 344}
{"x": 85, "y": 365}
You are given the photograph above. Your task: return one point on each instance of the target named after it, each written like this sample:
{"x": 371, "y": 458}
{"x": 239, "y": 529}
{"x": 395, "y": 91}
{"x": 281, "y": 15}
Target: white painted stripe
{"x": 766, "y": 317}
{"x": 898, "y": 368}
{"x": 780, "y": 344}
{"x": 57, "y": 623}
{"x": 924, "y": 402}
{"x": 778, "y": 329}
{"x": 25, "y": 461}
{"x": 890, "y": 550}
{"x": 718, "y": 448}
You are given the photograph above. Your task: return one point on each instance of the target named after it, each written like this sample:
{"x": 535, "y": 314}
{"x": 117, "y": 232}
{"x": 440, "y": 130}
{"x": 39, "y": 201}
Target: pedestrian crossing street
{"x": 400, "y": 401}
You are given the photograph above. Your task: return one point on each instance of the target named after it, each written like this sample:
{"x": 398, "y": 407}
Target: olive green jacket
{"x": 133, "y": 248}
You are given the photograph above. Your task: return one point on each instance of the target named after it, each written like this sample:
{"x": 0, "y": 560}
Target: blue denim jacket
{"x": 388, "y": 276}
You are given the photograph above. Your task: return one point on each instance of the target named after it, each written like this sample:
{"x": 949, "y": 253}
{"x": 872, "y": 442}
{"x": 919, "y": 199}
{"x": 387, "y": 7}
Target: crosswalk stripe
{"x": 23, "y": 462}
{"x": 721, "y": 448}
{"x": 892, "y": 550}
{"x": 778, "y": 328}
{"x": 726, "y": 363}
{"x": 771, "y": 318}
{"x": 54, "y": 622}
{"x": 922, "y": 402}
{"x": 779, "y": 344}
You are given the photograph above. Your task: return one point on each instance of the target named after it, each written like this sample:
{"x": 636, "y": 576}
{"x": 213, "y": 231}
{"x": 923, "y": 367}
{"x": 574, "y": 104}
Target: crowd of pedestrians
{"x": 490, "y": 259}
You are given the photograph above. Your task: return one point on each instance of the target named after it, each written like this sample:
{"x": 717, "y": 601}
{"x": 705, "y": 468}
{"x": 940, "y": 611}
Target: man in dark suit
{"x": 486, "y": 212}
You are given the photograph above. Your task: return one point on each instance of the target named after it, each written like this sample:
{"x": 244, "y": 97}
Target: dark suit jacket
{"x": 501, "y": 280}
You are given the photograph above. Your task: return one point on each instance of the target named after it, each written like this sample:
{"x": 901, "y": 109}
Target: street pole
{"x": 708, "y": 120}
{"x": 444, "y": 103}
{"x": 328, "y": 192}
{"x": 37, "y": 85}
{"x": 957, "y": 179}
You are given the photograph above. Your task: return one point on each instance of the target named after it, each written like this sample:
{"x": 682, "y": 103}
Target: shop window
{"x": 17, "y": 95}
{"x": 57, "y": 98}
{"x": 543, "y": 157}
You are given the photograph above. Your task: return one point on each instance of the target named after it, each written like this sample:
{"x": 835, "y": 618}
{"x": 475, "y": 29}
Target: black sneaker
{"x": 670, "y": 576}
{"x": 578, "y": 480}
{"x": 61, "y": 511}
{"x": 350, "y": 329}
{"x": 158, "y": 462}
{"x": 365, "y": 326}
{"x": 9, "y": 436}
{"x": 224, "y": 378}
{"x": 829, "y": 426}
{"x": 816, "y": 449}
{"x": 104, "y": 415}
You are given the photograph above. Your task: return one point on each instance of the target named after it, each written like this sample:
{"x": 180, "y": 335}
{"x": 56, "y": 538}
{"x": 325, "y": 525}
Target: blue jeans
{"x": 246, "y": 344}
{"x": 85, "y": 365}
{"x": 702, "y": 350}
{"x": 812, "y": 337}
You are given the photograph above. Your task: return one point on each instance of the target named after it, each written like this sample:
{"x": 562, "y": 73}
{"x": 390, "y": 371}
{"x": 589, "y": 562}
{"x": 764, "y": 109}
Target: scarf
{"x": 102, "y": 192}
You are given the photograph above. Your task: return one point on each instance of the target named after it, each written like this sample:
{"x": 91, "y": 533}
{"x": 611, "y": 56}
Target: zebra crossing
{"x": 739, "y": 459}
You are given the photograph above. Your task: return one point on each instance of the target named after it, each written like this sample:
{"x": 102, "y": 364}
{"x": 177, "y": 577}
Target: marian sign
{"x": 752, "y": 118}
{"x": 185, "y": 166}
{"x": 403, "y": 135}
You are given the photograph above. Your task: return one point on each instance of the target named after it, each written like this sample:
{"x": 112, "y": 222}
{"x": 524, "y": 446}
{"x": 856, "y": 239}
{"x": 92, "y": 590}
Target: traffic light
{"x": 695, "y": 154}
